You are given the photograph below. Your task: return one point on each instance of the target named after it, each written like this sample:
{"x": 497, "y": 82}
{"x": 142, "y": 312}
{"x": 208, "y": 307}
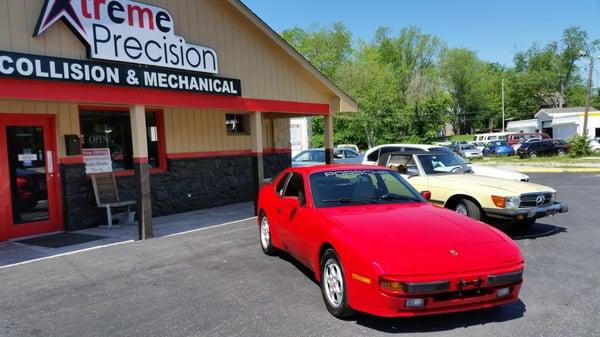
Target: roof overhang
{"x": 346, "y": 103}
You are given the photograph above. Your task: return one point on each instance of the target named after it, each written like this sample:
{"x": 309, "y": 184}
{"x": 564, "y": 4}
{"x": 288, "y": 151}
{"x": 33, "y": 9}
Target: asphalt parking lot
{"x": 217, "y": 282}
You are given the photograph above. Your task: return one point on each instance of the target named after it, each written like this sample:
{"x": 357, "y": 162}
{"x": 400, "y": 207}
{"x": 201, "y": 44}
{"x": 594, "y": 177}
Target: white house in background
{"x": 559, "y": 123}
{"x": 524, "y": 126}
{"x": 300, "y": 134}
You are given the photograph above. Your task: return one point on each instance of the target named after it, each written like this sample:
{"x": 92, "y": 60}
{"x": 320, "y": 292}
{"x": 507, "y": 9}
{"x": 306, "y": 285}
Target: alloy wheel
{"x": 334, "y": 283}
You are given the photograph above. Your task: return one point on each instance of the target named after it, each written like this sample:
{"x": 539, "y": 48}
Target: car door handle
{"x": 279, "y": 210}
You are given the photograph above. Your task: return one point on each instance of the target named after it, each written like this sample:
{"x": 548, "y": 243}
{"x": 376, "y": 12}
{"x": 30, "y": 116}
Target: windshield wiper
{"x": 350, "y": 201}
{"x": 393, "y": 196}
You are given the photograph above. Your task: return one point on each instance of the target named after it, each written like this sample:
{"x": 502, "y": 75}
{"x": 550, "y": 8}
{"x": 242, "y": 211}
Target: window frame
{"x": 160, "y": 124}
{"x": 246, "y": 124}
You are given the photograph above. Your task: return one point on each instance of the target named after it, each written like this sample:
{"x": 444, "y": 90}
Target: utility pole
{"x": 588, "y": 93}
{"x": 503, "y": 125}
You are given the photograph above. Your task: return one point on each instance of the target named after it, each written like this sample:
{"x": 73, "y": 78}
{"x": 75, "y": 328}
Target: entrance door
{"x": 29, "y": 202}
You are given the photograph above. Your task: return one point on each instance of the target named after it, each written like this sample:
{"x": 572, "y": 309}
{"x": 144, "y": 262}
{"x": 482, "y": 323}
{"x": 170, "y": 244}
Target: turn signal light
{"x": 391, "y": 286}
{"x": 499, "y": 201}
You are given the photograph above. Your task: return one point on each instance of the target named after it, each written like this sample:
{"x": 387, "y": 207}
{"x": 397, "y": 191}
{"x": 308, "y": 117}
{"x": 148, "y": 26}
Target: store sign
{"x": 97, "y": 161}
{"x": 18, "y": 65}
{"x": 128, "y": 31}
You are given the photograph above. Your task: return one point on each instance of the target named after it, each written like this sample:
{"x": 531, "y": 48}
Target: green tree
{"x": 325, "y": 47}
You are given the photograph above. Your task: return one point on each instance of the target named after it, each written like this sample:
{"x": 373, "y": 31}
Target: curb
{"x": 557, "y": 170}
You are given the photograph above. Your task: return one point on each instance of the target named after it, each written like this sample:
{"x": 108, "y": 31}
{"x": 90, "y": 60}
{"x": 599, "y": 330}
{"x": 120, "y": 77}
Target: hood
{"x": 417, "y": 238}
{"x": 497, "y": 186}
{"x": 503, "y": 173}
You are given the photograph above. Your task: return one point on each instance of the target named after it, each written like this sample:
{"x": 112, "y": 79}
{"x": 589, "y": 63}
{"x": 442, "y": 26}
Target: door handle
{"x": 279, "y": 210}
{"x": 50, "y": 163}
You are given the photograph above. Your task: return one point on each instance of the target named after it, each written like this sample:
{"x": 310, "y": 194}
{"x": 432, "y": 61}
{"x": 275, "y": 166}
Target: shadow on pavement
{"x": 537, "y": 230}
{"x": 445, "y": 322}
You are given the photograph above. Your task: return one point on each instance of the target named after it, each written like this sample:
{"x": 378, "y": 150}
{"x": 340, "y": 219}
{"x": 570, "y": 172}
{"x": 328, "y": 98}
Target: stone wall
{"x": 188, "y": 184}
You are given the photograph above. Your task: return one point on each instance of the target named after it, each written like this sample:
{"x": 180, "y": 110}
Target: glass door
{"x": 29, "y": 191}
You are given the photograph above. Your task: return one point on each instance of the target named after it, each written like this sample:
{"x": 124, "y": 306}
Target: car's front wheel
{"x": 533, "y": 155}
{"x": 264, "y": 231}
{"x": 468, "y": 208}
{"x": 333, "y": 285}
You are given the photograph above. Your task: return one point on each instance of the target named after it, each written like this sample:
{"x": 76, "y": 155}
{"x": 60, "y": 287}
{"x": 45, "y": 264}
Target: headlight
{"x": 506, "y": 202}
{"x": 512, "y": 202}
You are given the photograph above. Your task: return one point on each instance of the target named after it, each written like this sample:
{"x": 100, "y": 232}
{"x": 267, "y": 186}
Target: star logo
{"x": 55, "y": 10}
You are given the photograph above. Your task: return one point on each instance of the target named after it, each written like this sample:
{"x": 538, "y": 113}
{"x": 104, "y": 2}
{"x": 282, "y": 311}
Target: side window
{"x": 281, "y": 183}
{"x": 373, "y": 156}
{"x": 295, "y": 188}
{"x": 350, "y": 154}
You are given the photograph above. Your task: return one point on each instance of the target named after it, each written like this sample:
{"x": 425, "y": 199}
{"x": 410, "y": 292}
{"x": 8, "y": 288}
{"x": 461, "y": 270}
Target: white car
{"x": 372, "y": 156}
{"x": 469, "y": 151}
{"x": 595, "y": 145}
{"x": 352, "y": 147}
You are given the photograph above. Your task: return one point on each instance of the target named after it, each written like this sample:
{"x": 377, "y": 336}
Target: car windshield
{"x": 360, "y": 187}
{"x": 316, "y": 156}
{"x": 467, "y": 147}
{"x": 434, "y": 164}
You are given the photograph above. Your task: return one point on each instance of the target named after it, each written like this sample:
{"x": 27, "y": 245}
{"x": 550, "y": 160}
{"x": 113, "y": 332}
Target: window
{"x": 236, "y": 124}
{"x": 112, "y": 129}
{"x": 281, "y": 184}
{"x": 295, "y": 188}
{"x": 597, "y": 132}
{"x": 350, "y": 154}
{"x": 360, "y": 187}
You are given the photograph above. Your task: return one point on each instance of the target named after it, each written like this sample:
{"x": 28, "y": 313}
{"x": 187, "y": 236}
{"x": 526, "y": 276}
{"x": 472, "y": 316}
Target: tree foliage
{"x": 410, "y": 84}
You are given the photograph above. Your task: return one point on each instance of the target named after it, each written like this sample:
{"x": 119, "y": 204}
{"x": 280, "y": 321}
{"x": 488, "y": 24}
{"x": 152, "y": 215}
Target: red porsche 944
{"x": 377, "y": 246}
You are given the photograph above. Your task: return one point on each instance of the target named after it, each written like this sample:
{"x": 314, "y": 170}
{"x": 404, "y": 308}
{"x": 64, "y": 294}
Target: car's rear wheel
{"x": 468, "y": 208}
{"x": 264, "y": 231}
{"x": 333, "y": 285}
{"x": 561, "y": 153}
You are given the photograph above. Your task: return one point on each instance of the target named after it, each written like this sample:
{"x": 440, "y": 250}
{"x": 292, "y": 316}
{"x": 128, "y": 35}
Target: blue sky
{"x": 495, "y": 29}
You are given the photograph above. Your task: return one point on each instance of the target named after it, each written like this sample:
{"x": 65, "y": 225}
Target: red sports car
{"x": 377, "y": 246}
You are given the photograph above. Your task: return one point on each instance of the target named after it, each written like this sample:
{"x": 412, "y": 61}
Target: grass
{"x": 554, "y": 161}
{"x": 461, "y": 138}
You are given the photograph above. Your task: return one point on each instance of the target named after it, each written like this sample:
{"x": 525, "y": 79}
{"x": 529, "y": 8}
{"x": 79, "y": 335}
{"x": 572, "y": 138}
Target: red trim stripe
{"x": 105, "y": 94}
{"x": 277, "y": 151}
{"x": 140, "y": 160}
{"x": 71, "y": 160}
{"x": 186, "y": 155}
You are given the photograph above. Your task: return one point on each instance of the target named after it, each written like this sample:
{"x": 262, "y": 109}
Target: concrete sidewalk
{"x": 12, "y": 252}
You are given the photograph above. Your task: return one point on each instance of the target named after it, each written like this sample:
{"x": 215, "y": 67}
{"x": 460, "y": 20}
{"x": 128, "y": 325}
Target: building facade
{"x": 559, "y": 123}
{"x": 186, "y": 102}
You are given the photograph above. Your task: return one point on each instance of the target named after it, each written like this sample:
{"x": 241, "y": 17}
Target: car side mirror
{"x": 426, "y": 195}
{"x": 291, "y": 202}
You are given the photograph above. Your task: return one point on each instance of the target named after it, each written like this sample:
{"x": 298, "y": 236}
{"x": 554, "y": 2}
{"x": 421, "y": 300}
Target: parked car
{"x": 542, "y": 148}
{"x": 486, "y": 137}
{"x": 516, "y": 138}
{"x": 452, "y": 185}
{"x": 371, "y": 157}
{"x": 523, "y": 141}
{"x": 352, "y": 147}
{"x": 375, "y": 245}
{"x": 317, "y": 157}
{"x": 498, "y": 148}
{"x": 561, "y": 146}
{"x": 595, "y": 145}
{"x": 468, "y": 151}
{"x": 479, "y": 145}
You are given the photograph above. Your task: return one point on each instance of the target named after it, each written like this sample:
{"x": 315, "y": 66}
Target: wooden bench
{"x": 107, "y": 196}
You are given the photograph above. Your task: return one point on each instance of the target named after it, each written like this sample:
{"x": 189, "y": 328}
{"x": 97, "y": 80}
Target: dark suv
{"x": 541, "y": 148}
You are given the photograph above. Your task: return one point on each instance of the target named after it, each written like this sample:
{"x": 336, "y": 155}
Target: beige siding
{"x": 67, "y": 116}
{"x": 244, "y": 52}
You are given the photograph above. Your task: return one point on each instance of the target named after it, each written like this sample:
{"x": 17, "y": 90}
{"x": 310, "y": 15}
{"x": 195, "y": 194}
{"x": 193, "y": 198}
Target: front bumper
{"x": 526, "y": 213}
{"x": 369, "y": 298}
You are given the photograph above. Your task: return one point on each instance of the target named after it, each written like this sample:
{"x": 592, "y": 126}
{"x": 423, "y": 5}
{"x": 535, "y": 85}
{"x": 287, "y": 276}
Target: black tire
{"x": 561, "y": 153}
{"x": 266, "y": 246}
{"x": 533, "y": 155}
{"x": 342, "y": 310}
{"x": 472, "y": 209}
